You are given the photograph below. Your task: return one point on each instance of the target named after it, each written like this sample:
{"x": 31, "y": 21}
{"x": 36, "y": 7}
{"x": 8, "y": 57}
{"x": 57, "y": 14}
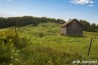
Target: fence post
{"x": 16, "y": 40}
{"x": 90, "y": 47}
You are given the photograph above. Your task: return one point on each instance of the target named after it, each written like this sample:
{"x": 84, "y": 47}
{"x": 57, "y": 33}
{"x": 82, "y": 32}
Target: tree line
{"x": 26, "y": 20}
{"x": 89, "y": 27}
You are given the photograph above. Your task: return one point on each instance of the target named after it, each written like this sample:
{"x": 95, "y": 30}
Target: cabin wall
{"x": 74, "y": 29}
{"x": 63, "y": 31}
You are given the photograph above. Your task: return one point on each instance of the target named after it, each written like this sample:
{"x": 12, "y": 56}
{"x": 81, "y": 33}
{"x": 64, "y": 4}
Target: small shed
{"x": 72, "y": 28}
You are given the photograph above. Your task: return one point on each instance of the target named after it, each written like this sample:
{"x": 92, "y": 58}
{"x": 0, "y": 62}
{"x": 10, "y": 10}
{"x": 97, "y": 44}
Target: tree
{"x": 85, "y": 24}
{"x": 93, "y": 27}
{"x": 25, "y": 20}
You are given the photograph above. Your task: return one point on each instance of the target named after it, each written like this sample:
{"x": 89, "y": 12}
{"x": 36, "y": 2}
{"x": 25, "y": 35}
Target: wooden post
{"x": 90, "y": 46}
{"x": 16, "y": 40}
{"x": 16, "y": 31}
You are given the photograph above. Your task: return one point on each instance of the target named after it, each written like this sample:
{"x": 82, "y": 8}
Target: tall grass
{"x": 43, "y": 45}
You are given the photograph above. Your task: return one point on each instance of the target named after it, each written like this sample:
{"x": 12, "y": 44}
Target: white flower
{"x": 11, "y": 56}
{"x": 11, "y": 64}
{"x": 16, "y": 59}
{"x": 18, "y": 50}
{"x": 15, "y": 54}
{"x": 12, "y": 50}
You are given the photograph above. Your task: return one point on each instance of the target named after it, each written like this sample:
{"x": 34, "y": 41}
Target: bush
{"x": 5, "y": 53}
{"x": 9, "y": 43}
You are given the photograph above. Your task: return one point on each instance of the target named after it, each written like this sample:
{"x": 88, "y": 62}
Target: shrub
{"x": 9, "y": 43}
{"x": 5, "y": 53}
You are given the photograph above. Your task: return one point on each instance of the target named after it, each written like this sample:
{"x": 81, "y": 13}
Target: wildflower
{"x": 16, "y": 59}
{"x": 18, "y": 50}
{"x": 49, "y": 61}
{"x": 11, "y": 64}
{"x": 11, "y": 56}
{"x": 15, "y": 54}
{"x": 12, "y": 50}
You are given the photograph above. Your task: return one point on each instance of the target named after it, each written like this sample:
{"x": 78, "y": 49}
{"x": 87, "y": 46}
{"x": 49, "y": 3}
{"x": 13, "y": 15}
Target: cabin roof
{"x": 70, "y": 21}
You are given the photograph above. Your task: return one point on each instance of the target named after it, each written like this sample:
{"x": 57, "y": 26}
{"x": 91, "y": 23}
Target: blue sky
{"x": 64, "y": 9}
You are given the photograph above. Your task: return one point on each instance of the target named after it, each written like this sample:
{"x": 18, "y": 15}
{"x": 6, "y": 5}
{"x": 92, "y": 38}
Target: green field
{"x": 48, "y": 47}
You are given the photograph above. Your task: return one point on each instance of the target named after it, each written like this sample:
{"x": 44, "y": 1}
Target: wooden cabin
{"x": 72, "y": 28}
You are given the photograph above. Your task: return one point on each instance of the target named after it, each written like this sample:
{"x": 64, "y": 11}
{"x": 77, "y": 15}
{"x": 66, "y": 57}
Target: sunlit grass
{"x": 48, "y": 45}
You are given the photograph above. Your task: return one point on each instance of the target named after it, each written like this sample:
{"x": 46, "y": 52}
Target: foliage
{"x": 5, "y": 53}
{"x": 26, "y": 20}
{"x": 6, "y": 45}
{"x": 89, "y": 27}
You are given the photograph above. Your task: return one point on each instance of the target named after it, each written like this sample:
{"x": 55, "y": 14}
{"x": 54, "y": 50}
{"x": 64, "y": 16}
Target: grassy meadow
{"x": 44, "y": 45}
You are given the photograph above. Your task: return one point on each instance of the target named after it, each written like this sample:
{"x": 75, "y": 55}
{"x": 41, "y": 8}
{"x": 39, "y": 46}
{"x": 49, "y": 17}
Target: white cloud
{"x": 83, "y": 2}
